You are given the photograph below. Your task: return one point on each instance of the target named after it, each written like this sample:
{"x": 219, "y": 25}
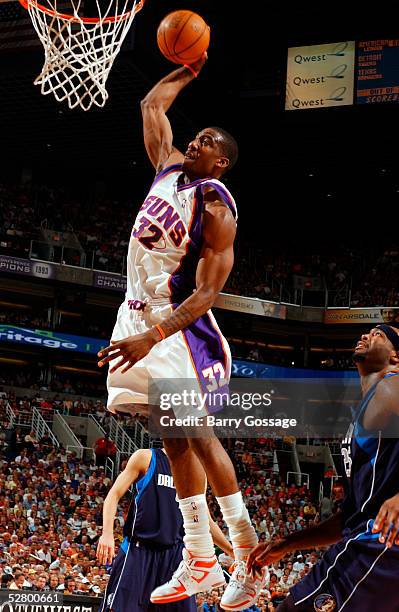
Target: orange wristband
{"x": 191, "y": 69}
{"x": 160, "y": 331}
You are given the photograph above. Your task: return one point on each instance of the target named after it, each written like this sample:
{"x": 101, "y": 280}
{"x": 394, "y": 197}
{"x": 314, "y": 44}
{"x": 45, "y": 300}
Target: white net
{"x": 80, "y": 51}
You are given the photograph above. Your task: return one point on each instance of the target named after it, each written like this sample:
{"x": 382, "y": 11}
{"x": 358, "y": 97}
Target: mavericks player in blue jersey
{"x": 359, "y": 572}
{"x": 153, "y": 542}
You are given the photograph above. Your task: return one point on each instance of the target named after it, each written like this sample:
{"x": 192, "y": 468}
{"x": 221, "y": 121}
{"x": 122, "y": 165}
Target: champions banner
{"x": 371, "y": 316}
{"x": 26, "y": 267}
{"x": 106, "y": 280}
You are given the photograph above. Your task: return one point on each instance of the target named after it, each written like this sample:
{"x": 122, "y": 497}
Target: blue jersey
{"x": 154, "y": 517}
{"x": 359, "y": 573}
{"x": 371, "y": 466}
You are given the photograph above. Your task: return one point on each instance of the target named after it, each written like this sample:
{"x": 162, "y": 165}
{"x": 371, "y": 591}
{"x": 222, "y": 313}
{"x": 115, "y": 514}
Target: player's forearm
{"x": 189, "y": 311}
{"x": 109, "y": 512}
{"x": 164, "y": 93}
{"x": 325, "y": 533}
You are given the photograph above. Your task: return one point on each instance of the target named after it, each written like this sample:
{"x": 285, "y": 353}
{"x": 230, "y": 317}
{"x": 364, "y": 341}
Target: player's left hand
{"x": 129, "y": 350}
{"x": 265, "y": 553}
{"x": 387, "y": 522}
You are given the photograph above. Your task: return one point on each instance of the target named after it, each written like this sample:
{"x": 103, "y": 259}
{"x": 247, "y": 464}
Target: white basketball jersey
{"x": 166, "y": 238}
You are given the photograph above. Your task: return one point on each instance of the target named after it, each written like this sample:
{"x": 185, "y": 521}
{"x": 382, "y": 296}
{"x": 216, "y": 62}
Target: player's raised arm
{"x": 136, "y": 467}
{"x": 158, "y": 136}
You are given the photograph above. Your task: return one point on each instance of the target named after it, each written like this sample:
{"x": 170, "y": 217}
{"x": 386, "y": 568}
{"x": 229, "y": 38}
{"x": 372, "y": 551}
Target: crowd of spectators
{"x": 50, "y": 515}
{"x": 33, "y": 377}
{"x": 48, "y": 403}
{"x": 51, "y": 512}
{"x": 353, "y": 276}
{"x": 38, "y": 320}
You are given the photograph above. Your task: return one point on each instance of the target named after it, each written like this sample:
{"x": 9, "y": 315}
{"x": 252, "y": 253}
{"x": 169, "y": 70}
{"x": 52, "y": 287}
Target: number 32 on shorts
{"x": 215, "y": 374}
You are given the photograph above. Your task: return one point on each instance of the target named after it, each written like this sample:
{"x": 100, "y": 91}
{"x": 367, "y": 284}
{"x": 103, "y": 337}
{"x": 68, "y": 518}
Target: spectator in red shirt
{"x": 103, "y": 448}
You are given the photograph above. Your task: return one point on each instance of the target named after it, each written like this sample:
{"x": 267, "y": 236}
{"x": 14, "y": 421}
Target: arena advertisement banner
{"x": 106, "y": 280}
{"x": 255, "y": 306}
{"x": 253, "y": 369}
{"x": 320, "y": 76}
{"x": 27, "y": 267}
{"x": 361, "y": 315}
{"x": 50, "y": 339}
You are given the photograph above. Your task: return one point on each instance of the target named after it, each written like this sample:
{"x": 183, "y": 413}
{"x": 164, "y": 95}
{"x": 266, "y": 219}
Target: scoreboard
{"x": 377, "y": 71}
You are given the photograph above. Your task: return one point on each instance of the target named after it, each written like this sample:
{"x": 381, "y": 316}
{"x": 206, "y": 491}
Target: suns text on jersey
{"x": 152, "y": 235}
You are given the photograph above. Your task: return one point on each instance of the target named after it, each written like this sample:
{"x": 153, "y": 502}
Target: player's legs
{"x": 242, "y": 590}
{"x": 136, "y": 571}
{"x": 189, "y": 356}
{"x": 189, "y": 460}
{"x": 204, "y": 352}
{"x": 199, "y": 570}
{"x": 117, "y": 597}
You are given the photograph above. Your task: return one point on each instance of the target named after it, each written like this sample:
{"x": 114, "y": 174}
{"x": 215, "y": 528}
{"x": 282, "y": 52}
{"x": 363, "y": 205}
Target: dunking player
{"x": 153, "y": 542}
{"x": 359, "y": 572}
{"x": 180, "y": 255}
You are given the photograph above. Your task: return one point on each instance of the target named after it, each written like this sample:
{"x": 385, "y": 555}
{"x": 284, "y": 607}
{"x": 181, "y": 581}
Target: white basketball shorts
{"x": 199, "y": 354}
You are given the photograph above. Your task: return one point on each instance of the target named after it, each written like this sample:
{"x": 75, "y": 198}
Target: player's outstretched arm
{"x": 158, "y": 136}
{"x": 325, "y": 533}
{"x": 135, "y": 468}
{"x": 213, "y": 269}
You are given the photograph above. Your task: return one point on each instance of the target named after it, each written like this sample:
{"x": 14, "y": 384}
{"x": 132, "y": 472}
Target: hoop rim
{"x": 115, "y": 18}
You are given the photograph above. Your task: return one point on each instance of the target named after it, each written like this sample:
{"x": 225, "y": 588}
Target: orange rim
{"x": 45, "y": 9}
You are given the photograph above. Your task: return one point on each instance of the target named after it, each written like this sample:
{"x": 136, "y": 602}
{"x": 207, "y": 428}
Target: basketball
{"x": 183, "y": 36}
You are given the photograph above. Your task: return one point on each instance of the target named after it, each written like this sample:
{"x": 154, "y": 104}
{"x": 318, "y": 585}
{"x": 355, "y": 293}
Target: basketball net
{"x": 80, "y": 51}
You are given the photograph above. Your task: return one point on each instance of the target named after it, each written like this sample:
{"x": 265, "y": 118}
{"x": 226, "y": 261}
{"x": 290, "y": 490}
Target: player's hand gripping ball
{"x": 183, "y": 37}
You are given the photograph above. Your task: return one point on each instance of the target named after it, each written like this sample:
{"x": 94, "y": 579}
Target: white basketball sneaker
{"x": 243, "y": 589}
{"x": 194, "y": 575}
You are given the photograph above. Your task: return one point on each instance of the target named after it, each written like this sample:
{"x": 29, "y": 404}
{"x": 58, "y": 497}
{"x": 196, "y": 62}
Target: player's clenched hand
{"x": 387, "y": 521}
{"x": 265, "y": 554}
{"x": 129, "y": 350}
{"x": 106, "y": 549}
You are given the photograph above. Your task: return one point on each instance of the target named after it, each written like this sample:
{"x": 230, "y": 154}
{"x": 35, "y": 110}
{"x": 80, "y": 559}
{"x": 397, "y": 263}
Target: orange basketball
{"x": 183, "y": 36}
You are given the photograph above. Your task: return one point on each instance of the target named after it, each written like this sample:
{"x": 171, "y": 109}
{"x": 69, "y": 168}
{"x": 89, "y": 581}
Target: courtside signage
{"x": 49, "y": 339}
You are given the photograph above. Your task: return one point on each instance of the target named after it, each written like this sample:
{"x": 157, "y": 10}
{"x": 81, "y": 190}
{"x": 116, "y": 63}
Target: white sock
{"x": 197, "y": 539}
{"x": 242, "y": 533}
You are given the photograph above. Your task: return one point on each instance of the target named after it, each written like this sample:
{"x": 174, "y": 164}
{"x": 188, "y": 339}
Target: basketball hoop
{"x": 80, "y": 51}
